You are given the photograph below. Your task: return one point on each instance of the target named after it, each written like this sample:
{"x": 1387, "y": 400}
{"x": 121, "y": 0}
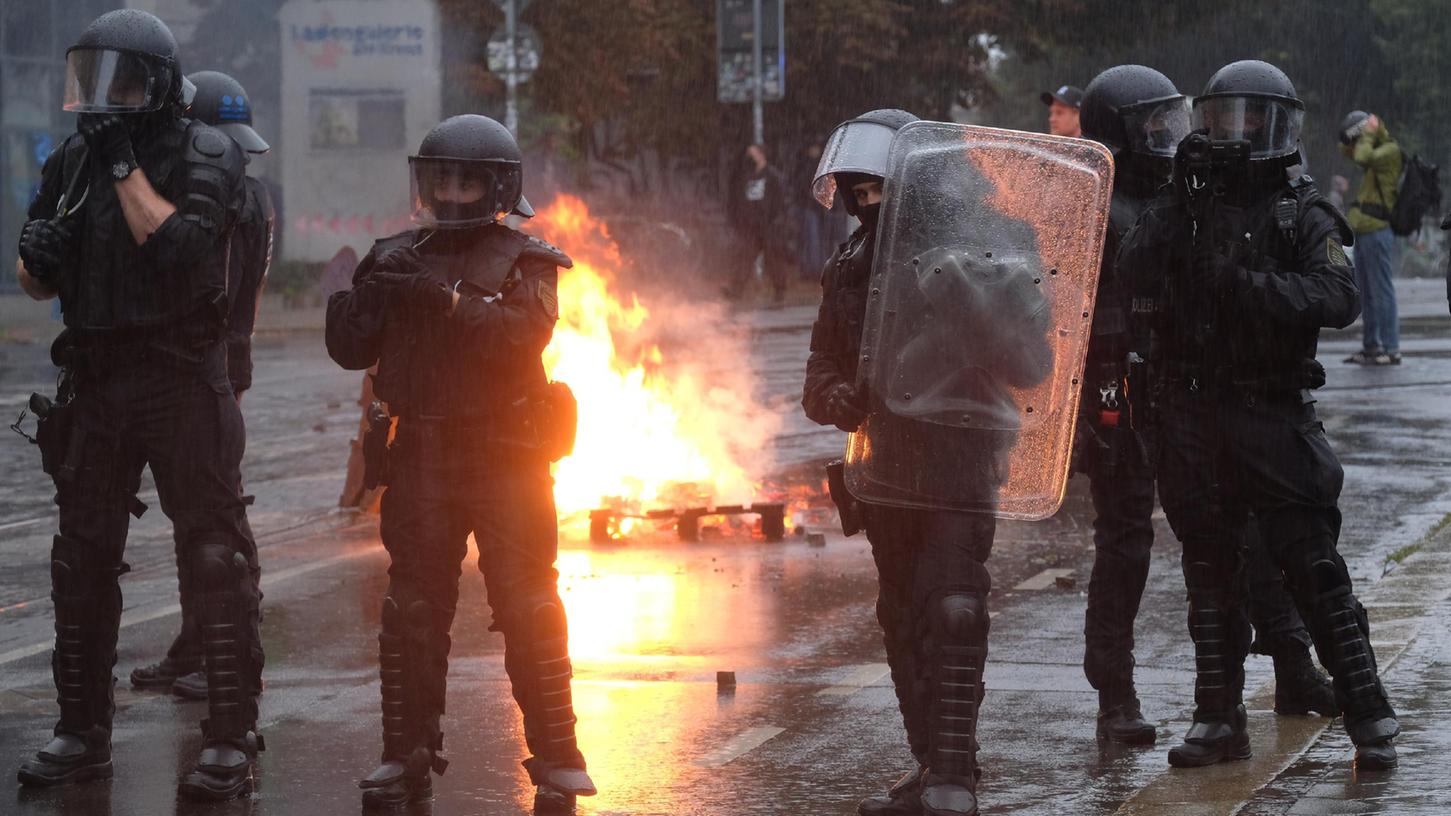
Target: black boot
{"x": 411, "y": 735}
{"x": 69, "y": 758}
{"x": 191, "y": 686}
{"x": 87, "y": 612}
{"x": 1300, "y": 687}
{"x": 224, "y": 768}
{"x": 1374, "y": 749}
{"x": 1120, "y": 719}
{"x": 902, "y": 799}
{"x": 1369, "y": 719}
{"x": 162, "y": 675}
{"x": 557, "y": 767}
{"x": 958, "y": 655}
{"x": 1219, "y": 732}
{"x": 1208, "y": 743}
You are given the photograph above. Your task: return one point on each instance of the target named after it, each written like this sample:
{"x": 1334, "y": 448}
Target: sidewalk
{"x": 1410, "y": 614}
{"x": 1302, "y": 765}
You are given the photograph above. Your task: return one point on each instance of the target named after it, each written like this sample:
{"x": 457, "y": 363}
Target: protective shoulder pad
{"x": 210, "y": 193}
{"x": 544, "y": 251}
{"x": 392, "y": 242}
{"x": 1309, "y": 196}
{"x": 207, "y": 145}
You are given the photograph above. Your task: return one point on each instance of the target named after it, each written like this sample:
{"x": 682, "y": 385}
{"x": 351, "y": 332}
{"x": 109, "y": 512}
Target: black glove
{"x": 1214, "y": 272}
{"x": 844, "y": 407}
{"x": 401, "y": 261}
{"x": 108, "y": 138}
{"x": 418, "y": 289}
{"x": 42, "y": 247}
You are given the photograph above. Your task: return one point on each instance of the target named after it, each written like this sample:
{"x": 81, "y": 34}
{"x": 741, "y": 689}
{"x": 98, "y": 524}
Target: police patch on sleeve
{"x": 547, "y": 298}
{"x": 1335, "y": 253}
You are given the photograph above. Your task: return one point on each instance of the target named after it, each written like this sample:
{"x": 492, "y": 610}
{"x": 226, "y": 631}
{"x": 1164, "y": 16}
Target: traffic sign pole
{"x": 758, "y": 116}
{"x": 511, "y": 71}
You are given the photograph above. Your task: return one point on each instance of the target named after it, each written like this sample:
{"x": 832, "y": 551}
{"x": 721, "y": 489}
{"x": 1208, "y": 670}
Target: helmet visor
{"x": 1156, "y": 127}
{"x": 106, "y": 81}
{"x": 458, "y": 193}
{"x": 1270, "y": 125}
{"x": 854, "y": 147}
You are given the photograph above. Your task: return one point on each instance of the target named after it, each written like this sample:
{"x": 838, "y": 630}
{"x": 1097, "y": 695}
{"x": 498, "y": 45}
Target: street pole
{"x": 511, "y": 71}
{"x": 758, "y": 120}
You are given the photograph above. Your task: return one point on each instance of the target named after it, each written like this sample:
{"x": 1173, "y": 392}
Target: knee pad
{"x": 67, "y": 564}
{"x": 546, "y": 618}
{"x": 1199, "y": 576}
{"x": 1329, "y": 578}
{"x": 960, "y": 616}
{"x": 217, "y": 567}
{"x": 77, "y": 568}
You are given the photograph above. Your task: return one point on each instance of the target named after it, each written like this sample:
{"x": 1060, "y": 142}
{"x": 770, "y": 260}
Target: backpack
{"x": 1419, "y": 193}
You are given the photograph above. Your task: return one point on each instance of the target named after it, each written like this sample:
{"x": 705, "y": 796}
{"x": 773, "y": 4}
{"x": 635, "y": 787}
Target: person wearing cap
{"x": 1063, "y": 110}
{"x": 222, "y": 102}
{"x": 1367, "y": 141}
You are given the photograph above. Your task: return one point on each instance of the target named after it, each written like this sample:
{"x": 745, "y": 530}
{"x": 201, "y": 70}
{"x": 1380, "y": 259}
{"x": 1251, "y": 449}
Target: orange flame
{"x": 653, "y": 430}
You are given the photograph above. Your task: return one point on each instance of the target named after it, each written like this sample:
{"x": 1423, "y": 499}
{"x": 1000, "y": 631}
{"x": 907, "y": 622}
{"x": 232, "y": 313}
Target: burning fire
{"x": 653, "y": 431}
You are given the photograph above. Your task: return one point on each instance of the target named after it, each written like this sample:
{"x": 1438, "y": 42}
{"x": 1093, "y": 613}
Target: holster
{"x": 54, "y": 435}
{"x": 847, "y": 506}
{"x": 554, "y": 413}
{"x": 375, "y": 446}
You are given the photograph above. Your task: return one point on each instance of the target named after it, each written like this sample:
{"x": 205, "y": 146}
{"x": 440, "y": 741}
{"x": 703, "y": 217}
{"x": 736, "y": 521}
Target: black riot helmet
{"x": 858, "y": 147}
{"x": 1136, "y": 109}
{"x": 221, "y": 101}
{"x": 468, "y": 171}
{"x": 1253, "y": 101}
{"x": 124, "y": 62}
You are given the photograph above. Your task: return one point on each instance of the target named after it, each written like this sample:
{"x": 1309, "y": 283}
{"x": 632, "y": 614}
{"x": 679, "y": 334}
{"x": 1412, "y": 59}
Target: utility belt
{"x": 1309, "y": 374}
{"x": 1105, "y": 398}
{"x": 541, "y": 425}
{"x": 124, "y": 349}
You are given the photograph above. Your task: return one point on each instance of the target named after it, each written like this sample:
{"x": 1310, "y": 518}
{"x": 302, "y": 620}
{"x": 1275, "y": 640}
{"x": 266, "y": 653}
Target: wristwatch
{"x": 121, "y": 169}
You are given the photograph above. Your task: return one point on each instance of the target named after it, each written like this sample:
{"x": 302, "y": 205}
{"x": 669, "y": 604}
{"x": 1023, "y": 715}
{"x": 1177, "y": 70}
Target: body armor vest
{"x": 427, "y": 366}
{"x": 845, "y": 291}
{"x": 1210, "y": 337}
{"x": 114, "y": 287}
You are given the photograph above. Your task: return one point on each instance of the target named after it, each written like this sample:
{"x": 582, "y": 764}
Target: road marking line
{"x": 14, "y": 525}
{"x": 738, "y": 746}
{"x": 861, "y": 677}
{"x": 134, "y": 617}
{"x": 1042, "y": 580}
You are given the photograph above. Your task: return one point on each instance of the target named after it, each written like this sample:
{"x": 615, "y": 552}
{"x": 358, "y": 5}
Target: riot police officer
{"x": 1237, "y": 267}
{"x": 130, "y": 228}
{"x": 931, "y": 565}
{"x": 456, "y": 315}
{"x": 1138, "y": 114}
{"x": 222, "y": 102}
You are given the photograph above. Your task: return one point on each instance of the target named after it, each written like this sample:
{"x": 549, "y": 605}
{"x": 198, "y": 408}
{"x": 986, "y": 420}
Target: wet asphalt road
{"x": 812, "y": 724}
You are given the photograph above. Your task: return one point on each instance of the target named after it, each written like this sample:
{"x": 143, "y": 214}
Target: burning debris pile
{"x": 668, "y": 418}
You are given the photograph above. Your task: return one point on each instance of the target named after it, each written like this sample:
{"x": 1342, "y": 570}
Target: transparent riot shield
{"x": 978, "y": 319}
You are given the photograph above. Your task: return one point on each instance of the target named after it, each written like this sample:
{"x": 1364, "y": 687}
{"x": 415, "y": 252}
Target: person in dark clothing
{"x": 931, "y": 565}
{"x": 456, "y": 315}
{"x": 1137, "y": 113}
{"x": 222, "y": 102}
{"x": 1235, "y": 270}
{"x": 756, "y": 210}
{"x": 130, "y": 229}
